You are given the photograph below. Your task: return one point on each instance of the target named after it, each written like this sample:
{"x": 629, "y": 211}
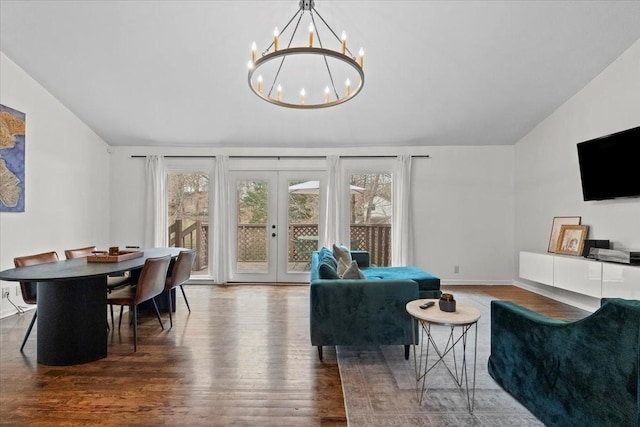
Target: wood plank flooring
{"x": 241, "y": 357}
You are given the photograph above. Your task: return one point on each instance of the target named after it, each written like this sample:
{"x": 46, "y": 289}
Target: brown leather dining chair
{"x": 179, "y": 276}
{"x": 113, "y": 282}
{"x": 30, "y": 289}
{"x": 150, "y": 284}
{"x": 79, "y": 252}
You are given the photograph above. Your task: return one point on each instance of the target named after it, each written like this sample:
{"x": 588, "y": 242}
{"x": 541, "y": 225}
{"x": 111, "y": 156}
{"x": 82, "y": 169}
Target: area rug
{"x": 379, "y": 385}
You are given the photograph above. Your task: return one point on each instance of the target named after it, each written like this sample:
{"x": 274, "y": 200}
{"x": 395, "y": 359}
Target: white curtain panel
{"x": 401, "y": 235}
{"x": 156, "y": 228}
{"x": 332, "y": 203}
{"x": 221, "y": 222}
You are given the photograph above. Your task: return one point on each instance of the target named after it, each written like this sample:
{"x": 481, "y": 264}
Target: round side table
{"x": 465, "y": 317}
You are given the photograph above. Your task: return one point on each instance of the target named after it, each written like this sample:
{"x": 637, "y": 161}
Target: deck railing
{"x": 195, "y": 236}
{"x": 375, "y": 238}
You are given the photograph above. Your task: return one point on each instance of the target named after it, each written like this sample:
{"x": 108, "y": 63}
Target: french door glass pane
{"x": 252, "y": 197}
{"x": 304, "y": 211}
{"x": 371, "y": 215}
{"x": 188, "y": 215}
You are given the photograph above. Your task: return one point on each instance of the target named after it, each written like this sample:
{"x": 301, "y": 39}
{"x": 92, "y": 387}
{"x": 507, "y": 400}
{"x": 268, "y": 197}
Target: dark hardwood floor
{"x": 241, "y": 357}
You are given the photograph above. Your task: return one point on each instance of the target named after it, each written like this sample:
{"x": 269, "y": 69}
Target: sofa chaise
{"x": 369, "y": 310}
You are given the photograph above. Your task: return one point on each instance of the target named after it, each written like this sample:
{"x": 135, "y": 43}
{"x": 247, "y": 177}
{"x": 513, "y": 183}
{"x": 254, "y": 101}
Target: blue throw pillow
{"x": 323, "y": 253}
{"x": 328, "y": 271}
{"x": 326, "y": 255}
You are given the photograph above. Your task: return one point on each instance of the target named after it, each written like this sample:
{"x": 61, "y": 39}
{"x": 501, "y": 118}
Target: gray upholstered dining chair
{"x": 150, "y": 284}
{"x": 179, "y": 276}
{"x": 30, "y": 289}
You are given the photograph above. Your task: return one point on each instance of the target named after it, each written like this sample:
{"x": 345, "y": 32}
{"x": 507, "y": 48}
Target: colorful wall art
{"x": 12, "y": 144}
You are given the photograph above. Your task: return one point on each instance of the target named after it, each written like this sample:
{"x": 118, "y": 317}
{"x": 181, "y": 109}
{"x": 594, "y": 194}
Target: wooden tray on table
{"x": 122, "y": 256}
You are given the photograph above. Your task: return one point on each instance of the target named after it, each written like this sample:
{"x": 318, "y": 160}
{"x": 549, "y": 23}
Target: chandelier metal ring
{"x": 305, "y": 72}
{"x": 306, "y": 51}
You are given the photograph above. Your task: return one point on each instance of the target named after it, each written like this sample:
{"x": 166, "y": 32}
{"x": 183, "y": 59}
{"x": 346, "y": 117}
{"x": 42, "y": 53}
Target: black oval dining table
{"x": 72, "y": 301}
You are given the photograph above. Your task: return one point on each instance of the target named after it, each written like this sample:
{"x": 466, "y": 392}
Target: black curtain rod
{"x": 178, "y": 157}
{"x": 416, "y": 156}
{"x": 426, "y": 156}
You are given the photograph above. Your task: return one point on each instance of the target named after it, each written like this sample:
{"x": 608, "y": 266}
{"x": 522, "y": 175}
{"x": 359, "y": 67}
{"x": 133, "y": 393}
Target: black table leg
{"x": 71, "y": 318}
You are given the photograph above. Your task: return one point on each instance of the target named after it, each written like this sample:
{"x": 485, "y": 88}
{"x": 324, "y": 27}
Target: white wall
{"x": 463, "y": 214}
{"x": 547, "y": 172}
{"x": 463, "y": 204}
{"x": 66, "y": 178}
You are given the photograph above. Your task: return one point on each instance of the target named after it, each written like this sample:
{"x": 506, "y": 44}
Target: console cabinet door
{"x": 578, "y": 275}
{"x": 536, "y": 267}
{"x": 620, "y": 281}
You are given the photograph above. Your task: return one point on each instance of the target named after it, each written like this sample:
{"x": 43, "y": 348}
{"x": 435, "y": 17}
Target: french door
{"x": 275, "y": 224}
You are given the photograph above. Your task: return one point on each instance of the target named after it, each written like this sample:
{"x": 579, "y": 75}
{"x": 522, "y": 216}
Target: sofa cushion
{"x": 426, "y": 281}
{"x": 327, "y": 270}
{"x": 353, "y": 272}
{"x": 341, "y": 252}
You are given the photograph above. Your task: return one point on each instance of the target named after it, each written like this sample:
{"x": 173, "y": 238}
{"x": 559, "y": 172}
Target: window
{"x": 188, "y": 215}
{"x": 371, "y": 215}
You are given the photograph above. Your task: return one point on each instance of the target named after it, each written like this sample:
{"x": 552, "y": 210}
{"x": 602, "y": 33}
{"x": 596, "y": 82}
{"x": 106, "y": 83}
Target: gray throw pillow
{"x": 341, "y": 252}
{"x": 342, "y": 267}
{"x": 353, "y": 272}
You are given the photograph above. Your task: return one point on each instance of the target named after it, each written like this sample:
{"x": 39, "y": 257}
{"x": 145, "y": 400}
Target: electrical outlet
{"x": 456, "y": 269}
{"x": 5, "y": 292}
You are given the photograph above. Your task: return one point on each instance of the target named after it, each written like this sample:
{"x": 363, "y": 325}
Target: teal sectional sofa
{"x": 570, "y": 373}
{"x": 366, "y": 311}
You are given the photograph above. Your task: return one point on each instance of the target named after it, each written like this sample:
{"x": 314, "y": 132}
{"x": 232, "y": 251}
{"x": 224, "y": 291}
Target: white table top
{"x": 464, "y": 314}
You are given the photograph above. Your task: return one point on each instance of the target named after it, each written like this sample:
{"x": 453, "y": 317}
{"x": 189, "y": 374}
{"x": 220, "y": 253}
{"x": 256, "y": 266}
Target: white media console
{"x": 581, "y": 275}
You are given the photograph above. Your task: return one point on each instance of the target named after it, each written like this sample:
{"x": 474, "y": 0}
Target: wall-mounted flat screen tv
{"x": 610, "y": 166}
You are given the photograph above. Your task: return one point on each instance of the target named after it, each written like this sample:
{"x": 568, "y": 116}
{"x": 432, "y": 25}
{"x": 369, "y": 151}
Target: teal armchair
{"x": 570, "y": 373}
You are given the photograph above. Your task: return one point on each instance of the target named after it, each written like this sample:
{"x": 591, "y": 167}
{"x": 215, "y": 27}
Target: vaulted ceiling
{"x": 437, "y": 72}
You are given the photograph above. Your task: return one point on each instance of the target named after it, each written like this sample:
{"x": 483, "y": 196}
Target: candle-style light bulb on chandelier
{"x": 304, "y": 72}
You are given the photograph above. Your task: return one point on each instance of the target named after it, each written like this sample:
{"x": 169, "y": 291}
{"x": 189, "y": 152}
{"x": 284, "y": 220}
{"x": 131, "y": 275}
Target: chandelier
{"x": 309, "y": 71}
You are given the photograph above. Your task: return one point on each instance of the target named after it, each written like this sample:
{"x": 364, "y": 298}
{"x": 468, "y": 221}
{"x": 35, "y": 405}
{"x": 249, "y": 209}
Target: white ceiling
{"x": 437, "y": 73}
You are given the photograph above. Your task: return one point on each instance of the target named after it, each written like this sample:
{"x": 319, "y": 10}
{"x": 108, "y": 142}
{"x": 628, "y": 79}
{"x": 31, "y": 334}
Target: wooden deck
{"x": 241, "y": 357}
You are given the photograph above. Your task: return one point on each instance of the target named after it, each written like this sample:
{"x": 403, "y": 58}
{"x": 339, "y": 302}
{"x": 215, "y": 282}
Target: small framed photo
{"x": 558, "y": 222}
{"x": 571, "y": 240}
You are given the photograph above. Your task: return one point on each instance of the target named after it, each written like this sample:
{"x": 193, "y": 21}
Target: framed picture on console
{"x": 571, "y": 240}
{"x": 558, "y": 222}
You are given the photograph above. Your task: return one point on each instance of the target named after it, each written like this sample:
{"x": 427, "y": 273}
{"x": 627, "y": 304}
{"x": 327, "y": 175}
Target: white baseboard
{"x": 451, "y": 282}
{"x": 10, "y": 311}
{"x": 7, "y": 313}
